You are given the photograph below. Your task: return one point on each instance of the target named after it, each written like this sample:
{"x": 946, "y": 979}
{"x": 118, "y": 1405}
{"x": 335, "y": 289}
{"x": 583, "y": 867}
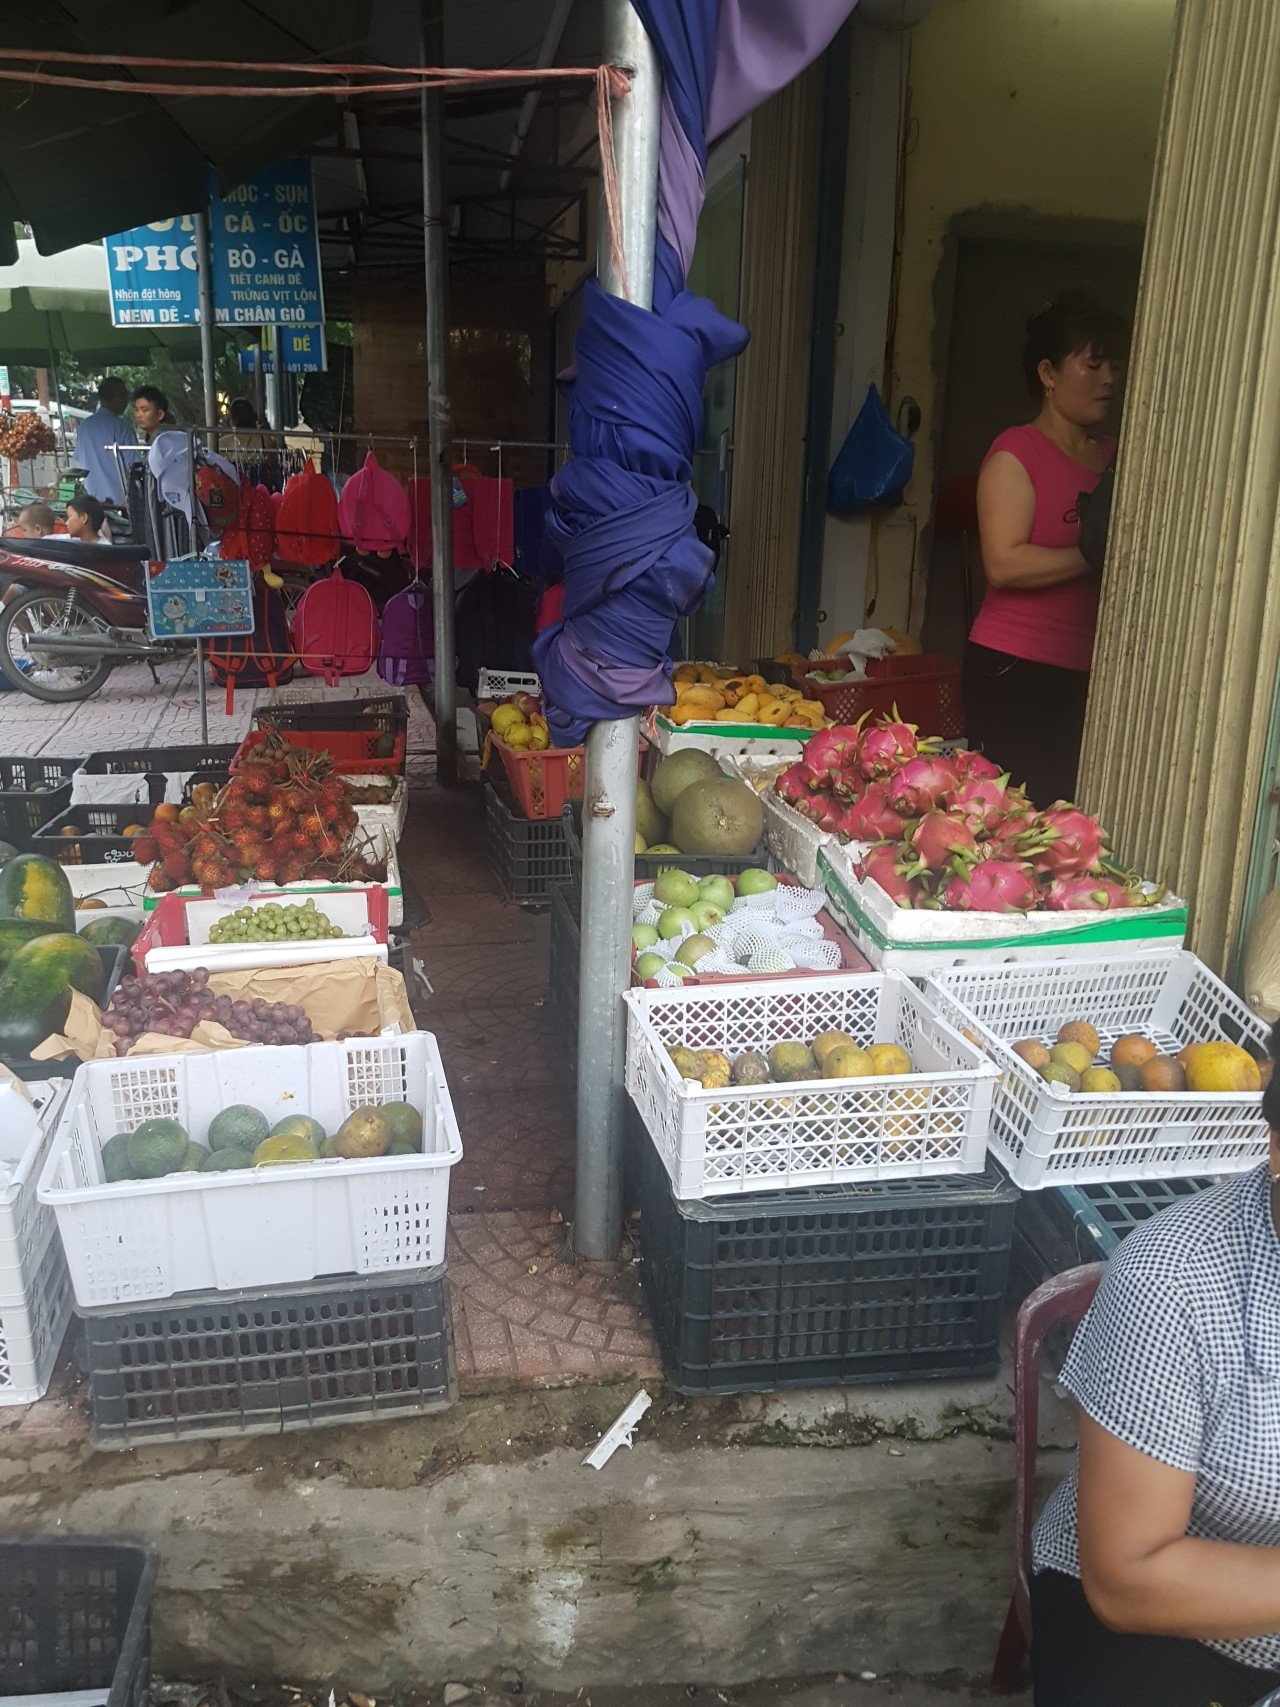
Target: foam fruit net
{"x": 764, "y": 934}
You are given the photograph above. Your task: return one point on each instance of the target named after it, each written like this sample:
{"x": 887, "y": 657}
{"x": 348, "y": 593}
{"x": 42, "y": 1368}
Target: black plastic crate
{"x": 75, "y": 1617}
{"x": 31, "y": 792}
{"x": 115, "y": 962}
{"x": 647, "y": 866}
{"x": 1063, "y": 1226}
{"x": 208, "y": 1365}
{"x": 526, "y": 855}
{"x": 386, "y": 712}
{"x": 100, "y": 839}
{"x": 157, "y": 762}
{"x": 564, "y": 955}
{"x": 899, "y": 1281}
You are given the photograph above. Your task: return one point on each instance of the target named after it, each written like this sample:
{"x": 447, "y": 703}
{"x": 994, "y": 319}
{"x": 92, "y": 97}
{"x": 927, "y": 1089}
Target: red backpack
{"x": 335, "y": 629}
{"x": 262, "y": 659}
{"x": 219, "y": 495}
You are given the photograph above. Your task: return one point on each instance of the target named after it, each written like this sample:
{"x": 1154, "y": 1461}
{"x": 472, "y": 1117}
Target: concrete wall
{"x": 738, "y": 1539}
{"x": 1037, "y": 110}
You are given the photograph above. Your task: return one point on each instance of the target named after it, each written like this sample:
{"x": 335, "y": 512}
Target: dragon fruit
{"x": 1086, "y": 894}
{"x": 795, "y": 785}
{"x": 993, "y": 886}
{"x": 984, "y": 803}
{"x": 1072, "y": 841}
{"x": 971, "y": 764}
{"x": 921, "y": 784}
{"x": 871, "y": 818}
{"x": 886, "y": 746}
{"x": 936, "y": 840}
{"x": 881, "y": 866}
{"x": 831, "y": 752}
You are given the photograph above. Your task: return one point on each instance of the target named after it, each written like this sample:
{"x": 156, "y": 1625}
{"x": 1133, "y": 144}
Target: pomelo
{"x": 675, "y": 773}
{"x": 650, "y": 822}
{"x": 718, "y": 815}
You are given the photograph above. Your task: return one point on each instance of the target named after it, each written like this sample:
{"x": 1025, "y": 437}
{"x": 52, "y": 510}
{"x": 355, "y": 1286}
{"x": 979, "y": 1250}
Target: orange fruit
{"x": 1132, "y": 1050}
{"x": 133, "y": 830}
{"x": 1080, "y": 1031}
{"x": 165, "y": 814}
{"x": 1223, "y": 1067}
{"x": 1163, "y": 1073}
{"x": 69, "y": 830}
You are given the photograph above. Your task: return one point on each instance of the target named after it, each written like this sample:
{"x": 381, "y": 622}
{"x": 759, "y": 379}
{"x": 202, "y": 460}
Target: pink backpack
{"x": 373, "y": 510}
{"x": 335, "y": 629}
{"x": 407, "y": 653}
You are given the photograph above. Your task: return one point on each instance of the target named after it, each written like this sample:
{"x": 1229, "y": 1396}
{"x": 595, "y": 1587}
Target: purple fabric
{"x": 681, "y": 187}
{"x": 761, "y": 45}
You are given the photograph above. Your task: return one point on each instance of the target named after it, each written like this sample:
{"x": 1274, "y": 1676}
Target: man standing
{"x": 96, "y": 434}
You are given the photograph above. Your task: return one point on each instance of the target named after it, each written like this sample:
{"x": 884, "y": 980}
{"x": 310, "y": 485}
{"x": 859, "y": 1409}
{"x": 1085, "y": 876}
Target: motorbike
{"x": 71, "y": 612}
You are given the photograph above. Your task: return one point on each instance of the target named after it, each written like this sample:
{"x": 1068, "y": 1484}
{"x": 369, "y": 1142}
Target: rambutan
{"x": 175, "y": 864}
{"x": 144, "y": 849}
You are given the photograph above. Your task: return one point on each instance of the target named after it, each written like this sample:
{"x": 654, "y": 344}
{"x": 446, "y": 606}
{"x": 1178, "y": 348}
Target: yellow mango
{"x": 686, "y": 673}
{"x": 797, "y": 723}
{"x": 757, "y": 683}
{"x": 747, "y": 706}
{"x": 728, "y": 714}
{"x": 774, "y": 715}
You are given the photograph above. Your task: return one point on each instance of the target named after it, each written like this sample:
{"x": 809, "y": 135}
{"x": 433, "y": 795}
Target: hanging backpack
{"x": 307, "y": 520}
{"x": 373, "y": 510}
{"x": 407, "y": 653}
{"x": 259, "y": 525}
{"x": 494, "y": 620}
{"x": 335, "y": 629}
{"x": 219, "y": 495}
{"x": 263, "y": 659}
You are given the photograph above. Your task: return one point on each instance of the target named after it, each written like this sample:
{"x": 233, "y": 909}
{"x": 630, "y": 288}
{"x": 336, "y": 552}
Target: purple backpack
{"x": 407, "y": 653}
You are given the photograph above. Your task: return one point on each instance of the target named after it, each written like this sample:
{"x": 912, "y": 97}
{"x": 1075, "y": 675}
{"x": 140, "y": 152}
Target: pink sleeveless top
{"x": 1047, "y": 625}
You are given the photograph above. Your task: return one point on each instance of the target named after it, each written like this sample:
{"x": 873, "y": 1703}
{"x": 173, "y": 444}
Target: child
{"x": 85, "y": 518}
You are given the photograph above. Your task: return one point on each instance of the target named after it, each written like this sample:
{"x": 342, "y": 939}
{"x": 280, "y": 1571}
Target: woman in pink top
{"x": 1026, "y": 671}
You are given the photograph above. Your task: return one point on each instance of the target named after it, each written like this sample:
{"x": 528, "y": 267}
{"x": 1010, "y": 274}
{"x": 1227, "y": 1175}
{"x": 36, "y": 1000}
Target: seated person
{"x": 35, "y": 521}
{"x": 86, "y": 520}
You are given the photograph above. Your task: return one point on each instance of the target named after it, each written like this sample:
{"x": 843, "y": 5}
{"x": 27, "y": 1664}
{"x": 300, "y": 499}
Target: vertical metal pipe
{"x": 204, "y": 273}
{"x": 435, "y": 271}
{"x": 609, "y": 796}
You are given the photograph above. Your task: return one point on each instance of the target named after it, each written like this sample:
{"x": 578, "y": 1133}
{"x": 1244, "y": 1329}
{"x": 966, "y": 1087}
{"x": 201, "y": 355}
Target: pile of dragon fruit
{"x": 951, "y": 832}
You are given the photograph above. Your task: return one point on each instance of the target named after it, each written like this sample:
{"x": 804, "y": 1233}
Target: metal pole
{"x": 609, "y": 796}
{"x": 204, "y": 273}
{"x": 435, "y": 271}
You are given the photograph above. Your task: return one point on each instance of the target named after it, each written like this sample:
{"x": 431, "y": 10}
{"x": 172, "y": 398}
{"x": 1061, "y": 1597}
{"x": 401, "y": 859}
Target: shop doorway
{"x": 996, "y": 271}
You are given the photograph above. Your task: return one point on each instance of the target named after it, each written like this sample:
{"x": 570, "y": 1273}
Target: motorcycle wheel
{"x": 38, "y": 611}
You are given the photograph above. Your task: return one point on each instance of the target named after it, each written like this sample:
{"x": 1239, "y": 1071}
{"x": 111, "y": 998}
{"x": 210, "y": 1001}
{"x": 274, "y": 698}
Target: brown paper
{"x": 355, "y": 996}
{"x": 12, "y": 1082}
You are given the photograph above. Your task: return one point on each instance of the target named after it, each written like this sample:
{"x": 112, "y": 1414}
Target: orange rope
{"x": 609, "y": 180}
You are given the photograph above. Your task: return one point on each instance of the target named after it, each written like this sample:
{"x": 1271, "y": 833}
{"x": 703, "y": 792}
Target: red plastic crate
{"x": 350, "y": 749}
{"x": 166, "y": 927}
{"x": 852, "y": 961}
{"x": 543, "y": 782}
{"x": 923, "y": 686}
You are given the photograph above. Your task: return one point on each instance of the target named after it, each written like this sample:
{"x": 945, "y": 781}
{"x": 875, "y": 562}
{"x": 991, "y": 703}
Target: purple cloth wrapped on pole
{"x": 622, "y": 510}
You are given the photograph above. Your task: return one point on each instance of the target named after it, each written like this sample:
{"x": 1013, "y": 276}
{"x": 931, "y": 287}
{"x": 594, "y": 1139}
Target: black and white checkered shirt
{"x": 1179, "y": 1357}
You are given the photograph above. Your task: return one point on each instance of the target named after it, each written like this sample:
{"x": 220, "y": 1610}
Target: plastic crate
{"x": 176, "y": 934}
{"x": 923, "y": 941}
{"x": 526, "y": 855}
{"x": 809, "y": 1132}
{"x": 923, "y": 688}
{"x": 901, "y": 1281}
{"x": 541, "y": 783}
{"x": 1064, "y": 1226}
{"x": 100, "y": 839}
{"x": 114, "y": 961}
{"x": 278, "y": 1226}
{"x": 564, "y": 955}
{"x": 75, "y": 1619}
{"x": 160, "y": 764}
{"x": 500, "y": 684}
{"x": 33, "y": 1326}
{"x": 1047, "y": 1135}
{"x": 350, "y": 749}
{"x": 648, "y": 866}
{"x": 208, "y": 1366}
{"x": 31, "y": 792}
{"x": 388, "y": 713}
{"x": 26, "y": 1225}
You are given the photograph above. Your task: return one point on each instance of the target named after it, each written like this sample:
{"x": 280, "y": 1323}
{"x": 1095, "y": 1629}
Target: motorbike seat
{"x": 57, "y": 548}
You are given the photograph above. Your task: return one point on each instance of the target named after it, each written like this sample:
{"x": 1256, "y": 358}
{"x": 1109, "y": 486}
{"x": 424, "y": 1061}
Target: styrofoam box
{"x": 390, "y": 817}
{"x": 348, "y": 909}
{"x": 1047, "y": 1135}
{"x": 140, "y": 1239}
{"x": 746, "y": 1138}
{"x": 920, "y": 940}
{"x": 310, "y": 886}
{"x": 726, "y": 740}
{"x": 122, "y": 887}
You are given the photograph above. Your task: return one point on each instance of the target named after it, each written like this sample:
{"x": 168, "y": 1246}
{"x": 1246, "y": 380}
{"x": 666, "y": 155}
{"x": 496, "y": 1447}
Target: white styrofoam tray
{"x": 139, "y": 1239}
{"x": 810, "y": 1132}
{"x": 390, "y": 817}
{"x": 921, "y": 940}
{"x": 348, "y": 909}
{"x": 1047, "y": 1135}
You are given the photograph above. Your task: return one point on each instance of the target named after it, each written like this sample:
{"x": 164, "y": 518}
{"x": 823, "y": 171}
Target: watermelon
{"x": 33, "y": 887}
{"x": 110, "y": 932}
{"x": 36, "y": 986}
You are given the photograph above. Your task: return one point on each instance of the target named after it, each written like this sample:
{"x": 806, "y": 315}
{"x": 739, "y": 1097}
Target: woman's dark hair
{"x": 90, "y": 508}
{"x": 1074, "y": 320}
{"x": 1271, "y": 1095}
{"x": 241, "y": 413}
{"x": 153, "y": 394}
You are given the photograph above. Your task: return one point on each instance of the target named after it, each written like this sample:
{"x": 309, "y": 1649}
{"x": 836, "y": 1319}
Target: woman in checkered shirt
{"x": 1156, "y": 1564}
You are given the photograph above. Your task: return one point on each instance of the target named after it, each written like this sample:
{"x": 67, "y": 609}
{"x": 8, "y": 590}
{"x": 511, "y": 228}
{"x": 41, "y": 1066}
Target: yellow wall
{"x": 1044, "y": 107}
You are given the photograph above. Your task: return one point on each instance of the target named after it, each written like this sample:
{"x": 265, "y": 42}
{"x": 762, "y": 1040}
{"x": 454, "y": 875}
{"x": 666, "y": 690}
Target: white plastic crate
{"x": 33, "y": 1327}
{"x": 1047, "y": 1135}
{"x": 498, "y": 684}
{"x": 26, "y": 1135}
{"x": 923, "y": 940}
{"x": 140, "y": 1239}
{"x": 750, "y": 1138}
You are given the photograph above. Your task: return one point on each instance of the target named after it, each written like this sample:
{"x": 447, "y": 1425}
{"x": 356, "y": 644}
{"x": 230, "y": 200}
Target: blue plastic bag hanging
{"x": 873, "y": 464}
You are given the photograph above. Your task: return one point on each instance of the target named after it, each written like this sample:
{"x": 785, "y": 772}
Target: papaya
{"x": 16, "y": 934}
{"x": 107, "y": 933}
{"x": 33, "y": 887}
{"x": 36, "y": 986}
